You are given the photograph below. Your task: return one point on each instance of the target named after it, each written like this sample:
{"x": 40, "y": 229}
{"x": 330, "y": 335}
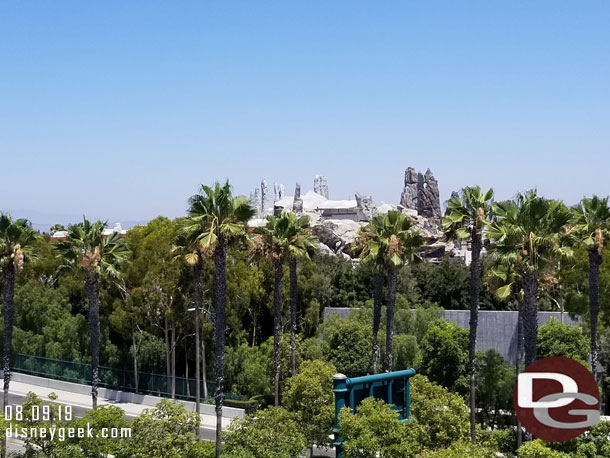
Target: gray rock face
{"x": 409, "y": 197}
{"x": 297, "y": 202}
{"x": 337, "y": 235}
{"x": 278, "y": 190}
{"x": 264, "y": 197}
{"x": 429, "y": 201}
{"x": 366, "y": 207}
{"x": 420, "y": 192}
{"x": 320, "y": 186}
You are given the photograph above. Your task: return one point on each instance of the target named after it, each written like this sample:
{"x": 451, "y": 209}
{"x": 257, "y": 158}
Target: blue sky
{"x": 120, "y": 109}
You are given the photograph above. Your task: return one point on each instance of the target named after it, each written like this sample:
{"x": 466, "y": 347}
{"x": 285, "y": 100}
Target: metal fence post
{"x": 341, "y": 392}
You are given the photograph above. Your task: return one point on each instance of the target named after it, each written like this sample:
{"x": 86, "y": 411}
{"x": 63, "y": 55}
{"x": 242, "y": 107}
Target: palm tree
{"x": 466, "y": 218}
{"x": 301, "y": 244}
{"x": 530, "y": 234}
{"x": 284, "y": 237}
{"x": 504, "y": 281}
{"x": 217, "y": 219}
{"x": 100, "y": 256}
{"x": 16, "y": 237}
{"x": 374, "y": 258}
{"x": 392, "y": 239}
{"x": 592, "y": 225}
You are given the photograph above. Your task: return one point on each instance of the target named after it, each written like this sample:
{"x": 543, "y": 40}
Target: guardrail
{"x": 113, "y": 378}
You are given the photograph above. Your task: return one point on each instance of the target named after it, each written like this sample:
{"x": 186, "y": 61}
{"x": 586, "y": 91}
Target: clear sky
{"x": 119, "y": 109}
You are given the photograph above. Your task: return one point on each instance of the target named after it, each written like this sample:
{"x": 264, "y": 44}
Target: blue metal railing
{"x": 391, "y": 387}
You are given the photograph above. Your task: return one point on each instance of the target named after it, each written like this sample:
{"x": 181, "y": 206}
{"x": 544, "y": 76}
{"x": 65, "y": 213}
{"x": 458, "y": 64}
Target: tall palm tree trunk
{"x": 9, "y": 313}
{"x": 220, "y": 264}
{"x": 377, "y": 293}
{"x": 530, "y": 317}
{"x": 518, "y": 365}
{"x": 92, "y": 288}
{"x": 293, "y": 313}
{"x": 277, "y": 315}
{"x": 474, "y": 289}
{"x": 595, "y": 261}
{"x": 392, "y": 277}
{"x": 197, "y": 286}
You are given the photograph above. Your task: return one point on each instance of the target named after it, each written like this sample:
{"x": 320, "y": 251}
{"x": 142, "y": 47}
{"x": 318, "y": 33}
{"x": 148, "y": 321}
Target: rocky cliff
{"x": 337, "y": 222}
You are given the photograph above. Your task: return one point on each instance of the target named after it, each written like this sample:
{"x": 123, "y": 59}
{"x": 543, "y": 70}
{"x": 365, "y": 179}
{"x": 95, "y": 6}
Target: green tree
{"x": 16, "y": 237}
{"x": 445, "y": 354}
{"x": 391, "y": 238}
{"x": 556, "y": 339}
{"x": 167, "y": 431}
{"x": 592, "y": 225}
{"x": 594, "y": 443}
{"x": 466, "y": 218}
{"x": 441, "y": 415}
{"x": 215, "y": 220}
{"x": 87, "y": 247}
{"x": 269, "y": 433}
{"x": 40, "y": 444}
{"x": 57, "y": 228}
{"x": 531, "y": 234}
{"x": 537, "y": 449}
{"x": 406, "y": 352}
{"x": 445, "y": 284}
{"x": 246, "y": 372}
{"x": 375, "y": 430}
{"x": 154, "y": 270}
{"x": 350, "y": 344}
{"x": 101, "y": 417}
{"x": 495, "y": 386}
{"x": 310, "y": 395}
{"x": 460, "y": 450}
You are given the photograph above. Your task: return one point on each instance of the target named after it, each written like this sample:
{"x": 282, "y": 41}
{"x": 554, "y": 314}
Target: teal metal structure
{"x": 392, "y": 387}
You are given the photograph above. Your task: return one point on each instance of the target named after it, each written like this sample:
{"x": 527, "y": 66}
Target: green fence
{"x": 113, "y": 378}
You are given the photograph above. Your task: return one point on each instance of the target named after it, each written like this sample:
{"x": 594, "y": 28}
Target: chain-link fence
{"x": 113, "y": 378}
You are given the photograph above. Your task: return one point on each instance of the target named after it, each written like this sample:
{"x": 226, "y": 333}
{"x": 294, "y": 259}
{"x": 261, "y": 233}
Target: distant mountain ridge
{"x": 42, "y": 221}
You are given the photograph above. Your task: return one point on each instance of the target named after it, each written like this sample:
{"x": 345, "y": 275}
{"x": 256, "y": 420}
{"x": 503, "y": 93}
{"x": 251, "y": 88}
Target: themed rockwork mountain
{"x": 421, "y": 193}
{"x": 337, "y": 222}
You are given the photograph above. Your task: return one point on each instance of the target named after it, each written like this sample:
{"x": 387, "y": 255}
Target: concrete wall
{"x": 496, "y": 329}
{"x": 119, "y": 396}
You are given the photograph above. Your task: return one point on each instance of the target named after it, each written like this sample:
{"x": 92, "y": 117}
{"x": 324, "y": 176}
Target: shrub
{"x": 441, "y": 415}
{"x": 270, "y": 433}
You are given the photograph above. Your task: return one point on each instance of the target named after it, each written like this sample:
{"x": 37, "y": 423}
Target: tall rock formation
{"x": 320, "y": 186}
{"x": 366, "y": 207}
{"x": 429, "y": 201}
{"x": 264, "y": 198}
{"x": 297, "y": 203}
{"x": 409, "y": 196}
{"x": 278, "y": 190}
{"x": 420, "y": 193}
